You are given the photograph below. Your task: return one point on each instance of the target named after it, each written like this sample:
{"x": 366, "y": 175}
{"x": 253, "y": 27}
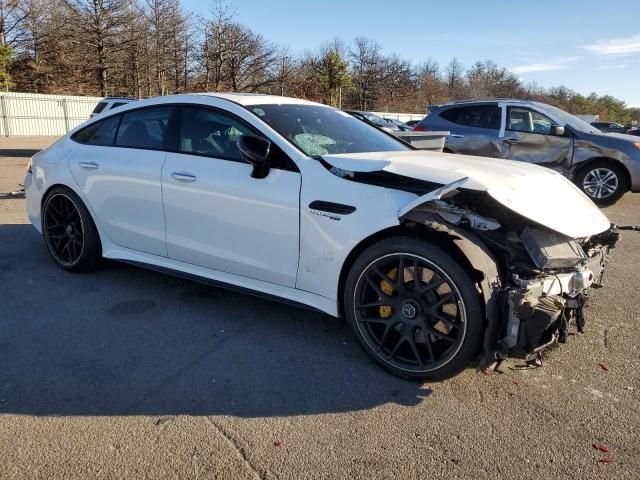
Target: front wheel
{"x": 604, "y": 182}
{"x": 414, "y": 309}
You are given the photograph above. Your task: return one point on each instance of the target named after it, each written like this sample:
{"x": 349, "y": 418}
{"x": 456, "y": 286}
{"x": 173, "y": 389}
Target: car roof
{"x": 472, "y": 101}
{"x": 128, "y": 99}
{"x": 248, "y": 99}
{"x": 242, "y": 99}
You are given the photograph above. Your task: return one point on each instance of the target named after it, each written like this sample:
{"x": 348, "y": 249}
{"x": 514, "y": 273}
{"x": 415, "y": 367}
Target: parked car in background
{"x": 434, "y": 260}
{"x": 401, "y": 125}
{"x": 610, "y": 127}
{"x": 604, "y": 166}
{"x": 374, "y": 120}
{"x": 109, "y": 103}
{"x": 634, "y": 131}
{"x": 412, "y": 123}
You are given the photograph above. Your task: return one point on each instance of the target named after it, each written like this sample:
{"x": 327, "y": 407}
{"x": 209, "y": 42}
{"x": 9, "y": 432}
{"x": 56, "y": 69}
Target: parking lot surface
{"x": 128, "y": 373}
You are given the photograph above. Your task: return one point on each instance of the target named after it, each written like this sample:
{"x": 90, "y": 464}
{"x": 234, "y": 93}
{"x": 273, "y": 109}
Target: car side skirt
{"x": 291, "y": 296}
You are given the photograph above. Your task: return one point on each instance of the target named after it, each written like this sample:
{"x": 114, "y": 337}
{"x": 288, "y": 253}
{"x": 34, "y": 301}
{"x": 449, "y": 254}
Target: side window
{"x": 525, "y": 120}
{"x": 144, "y": 128}
{"x": 99, "y": 133}
{"x": 117, "y": 104}
{"x": 210, "y": 133}
{"x": 99, "y": 107}
{"x": 479, "y": 116}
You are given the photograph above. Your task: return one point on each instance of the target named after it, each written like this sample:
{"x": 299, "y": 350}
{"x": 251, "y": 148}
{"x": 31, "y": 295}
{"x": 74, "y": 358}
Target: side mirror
{"x": 557, "y": 130}
{"x": 255, "y": 150}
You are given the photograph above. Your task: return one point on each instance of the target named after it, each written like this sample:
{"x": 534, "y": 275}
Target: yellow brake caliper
{"x": 387, "y": 288}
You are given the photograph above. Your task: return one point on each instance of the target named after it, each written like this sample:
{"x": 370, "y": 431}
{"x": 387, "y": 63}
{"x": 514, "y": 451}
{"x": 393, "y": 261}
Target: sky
{"x": 588, "y": 46}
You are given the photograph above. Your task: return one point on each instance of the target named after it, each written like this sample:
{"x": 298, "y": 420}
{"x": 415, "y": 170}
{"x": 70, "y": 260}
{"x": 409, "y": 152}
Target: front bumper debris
{"x": 538, "y": 311}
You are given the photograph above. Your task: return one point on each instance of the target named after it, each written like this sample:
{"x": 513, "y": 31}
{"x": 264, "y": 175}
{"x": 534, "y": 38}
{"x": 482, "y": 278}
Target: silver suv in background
{"x": 109, "y": 103}
{"x": 604, "y": 166}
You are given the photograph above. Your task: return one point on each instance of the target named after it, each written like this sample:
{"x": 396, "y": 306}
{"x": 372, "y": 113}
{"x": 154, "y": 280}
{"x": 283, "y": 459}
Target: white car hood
{"x": 537, "y": 193}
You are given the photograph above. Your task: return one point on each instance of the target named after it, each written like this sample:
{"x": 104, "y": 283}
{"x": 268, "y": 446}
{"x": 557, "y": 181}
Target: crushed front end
{"x": 546, "y": 288}
{"x": 534, "y": 280}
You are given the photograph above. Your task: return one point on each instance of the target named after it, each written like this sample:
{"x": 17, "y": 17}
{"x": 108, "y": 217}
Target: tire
{"x": 69, "y": 232}
{"x": 611, "y": 186}
{"x": 425, "y": 329}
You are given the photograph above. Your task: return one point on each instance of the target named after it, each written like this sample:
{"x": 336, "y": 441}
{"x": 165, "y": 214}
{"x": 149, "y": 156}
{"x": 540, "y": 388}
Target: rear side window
{"x": 144, "y": 128}
{"x": 479, "y": 116}
{"x": 99, "y": 107}
{"x": 99, "y": 133}
{"x": 117, "y": 104}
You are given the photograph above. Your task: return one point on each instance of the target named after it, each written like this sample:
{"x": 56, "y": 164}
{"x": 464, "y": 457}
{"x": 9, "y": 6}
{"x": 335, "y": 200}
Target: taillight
{"x": 418, "y": 128}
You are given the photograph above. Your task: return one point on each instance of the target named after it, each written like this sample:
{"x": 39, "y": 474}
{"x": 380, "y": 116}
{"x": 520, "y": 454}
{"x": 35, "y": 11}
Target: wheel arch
{"x": 84, "y": 203}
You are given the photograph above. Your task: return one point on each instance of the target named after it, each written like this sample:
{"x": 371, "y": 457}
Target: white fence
{"x": 39, "y": 114}
{"x": 403, "y": 117}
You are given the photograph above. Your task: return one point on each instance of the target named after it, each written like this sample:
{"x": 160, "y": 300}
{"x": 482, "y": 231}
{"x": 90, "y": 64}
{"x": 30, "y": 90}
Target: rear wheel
{"x": 603, "y": 181}
{"x": 69, "y": 232}
{"x": 414, "y": 309}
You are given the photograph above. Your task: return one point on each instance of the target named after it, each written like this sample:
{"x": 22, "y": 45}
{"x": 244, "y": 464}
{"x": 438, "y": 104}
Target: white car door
{"x": 217, "y": 215}
{"x": 118, "y": 166}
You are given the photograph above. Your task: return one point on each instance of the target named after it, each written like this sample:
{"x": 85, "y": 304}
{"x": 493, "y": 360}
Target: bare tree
{"x": 430, "y": 85}
{"x": 214, "y": 48}
{"x": 454, "y": 76}
{"x": 100, "y": 24}
{"x": 368, "y": 69}
{"x": 285, "y": 69}
{"x": 168, "y": 34}
{"x": 12, "y": 14}
{"x": 249, "y": 57}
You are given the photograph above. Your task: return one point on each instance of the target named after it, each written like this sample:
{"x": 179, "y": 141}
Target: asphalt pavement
{"x": 127, "y": 373}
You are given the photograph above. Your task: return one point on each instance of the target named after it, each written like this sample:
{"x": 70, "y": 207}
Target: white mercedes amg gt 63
{"x": 436, "y": 261}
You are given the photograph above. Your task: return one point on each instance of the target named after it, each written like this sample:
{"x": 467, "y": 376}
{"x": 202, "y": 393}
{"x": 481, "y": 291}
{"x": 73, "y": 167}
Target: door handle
{"x": 88, "y": 165}
{"x": 183, "y": 177}
{"x": 456, "y": 135}
{"x": 511, "y": 141}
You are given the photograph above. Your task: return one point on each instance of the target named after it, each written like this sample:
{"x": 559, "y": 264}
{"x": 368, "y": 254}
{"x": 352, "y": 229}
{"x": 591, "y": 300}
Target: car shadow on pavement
{"x": 127, "y": 341}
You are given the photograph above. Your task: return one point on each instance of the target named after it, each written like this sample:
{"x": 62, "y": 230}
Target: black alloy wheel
{"x": 69, "y": 232}
{"x": 415, "y": 310}
{"x": 410, "y": 312}
{"x": 63, "y": 229}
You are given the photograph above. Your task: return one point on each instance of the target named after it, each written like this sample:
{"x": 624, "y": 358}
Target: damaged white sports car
{"x": 435, "y": 260}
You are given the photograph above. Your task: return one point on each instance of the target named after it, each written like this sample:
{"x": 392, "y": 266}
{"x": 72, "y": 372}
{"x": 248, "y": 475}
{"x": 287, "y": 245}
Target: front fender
{"x": 482, "y": 260}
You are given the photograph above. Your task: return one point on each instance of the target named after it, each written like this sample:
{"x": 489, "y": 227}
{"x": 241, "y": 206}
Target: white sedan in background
{"x": 433, "y": 259}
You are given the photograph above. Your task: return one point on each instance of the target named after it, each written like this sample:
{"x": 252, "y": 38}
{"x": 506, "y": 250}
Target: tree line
{"x": 144, "y": 48}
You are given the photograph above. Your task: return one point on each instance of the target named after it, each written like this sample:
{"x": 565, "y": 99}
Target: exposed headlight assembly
{"x": 551, "y": 250}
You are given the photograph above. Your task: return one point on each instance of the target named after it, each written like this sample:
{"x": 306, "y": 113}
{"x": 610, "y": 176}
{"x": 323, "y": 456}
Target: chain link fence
{"x": 39, "y": 114}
